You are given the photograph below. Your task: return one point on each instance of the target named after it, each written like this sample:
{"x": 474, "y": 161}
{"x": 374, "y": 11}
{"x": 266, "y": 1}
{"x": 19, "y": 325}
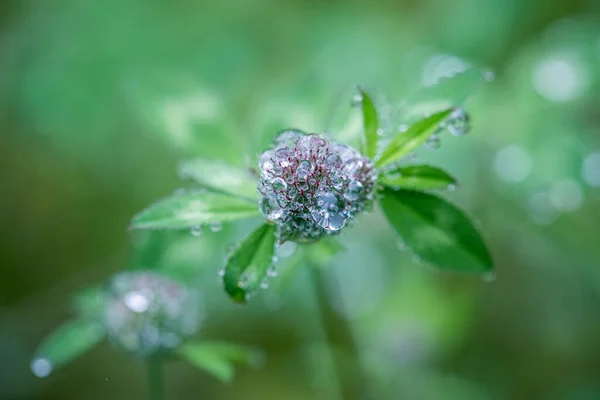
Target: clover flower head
{"x": 312, "y": 186}
{"x": 146, "y": 312}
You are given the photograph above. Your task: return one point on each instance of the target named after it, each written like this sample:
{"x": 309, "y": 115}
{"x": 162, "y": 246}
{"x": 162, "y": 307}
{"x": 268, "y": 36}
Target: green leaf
{"x": 67, "y": 342}
{"x": 370, "y": 124}
{"x": 89, "y": 302}
{"x": 435, "y": 230}
{"x": 218, "y": 358}
{"x": 194, "y": 209}
{"x": 220, "y": 176}
{"x": 418, "y": 177}
{"x": 247, "y": 266}
{"x": 447, "y": 93}
{"x": 405, "y": 142}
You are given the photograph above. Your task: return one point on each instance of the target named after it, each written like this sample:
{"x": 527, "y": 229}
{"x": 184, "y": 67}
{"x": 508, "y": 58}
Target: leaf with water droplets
{"x": 448, "y": 92}
{"x": 218, "y": 358}
{"x": 436, "y": 231}
{"x": 247, "y": 265}
{"x": 405, "y": 142}
{"x": 220, "y": 176}
{"x": 419, "y": 177}
{"x": 67, "y": 342}
{"x": 193, "y": 209}
{"x": 370, "y": 124}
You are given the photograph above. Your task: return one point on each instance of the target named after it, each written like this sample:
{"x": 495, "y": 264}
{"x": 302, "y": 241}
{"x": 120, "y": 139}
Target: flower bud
{"x": 146, "y": 312}
{"x": 312, "y": 187}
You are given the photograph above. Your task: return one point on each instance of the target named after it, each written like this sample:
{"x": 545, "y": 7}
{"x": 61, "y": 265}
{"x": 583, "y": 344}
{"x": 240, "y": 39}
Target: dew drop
{"x": 433, "y": 142}
{"x": 303, "y": 170}
{"x": 459, "y": 122}
{"x": 333, "y": 160}
{"x": 196, "y": 230}
{"x": 328, "y": 211}
{"x": 282, "y": 156}
{"x": 265, "y": 162}
{"x": 216, "y": 226}
{"x": 353, "y": 191}
{"x": 278, "y": 184}
{"x": 271, "y": 208}
{"x": 356, "y": 100}
{"x": 136, "y": 301}
{"x": 41, "y": 367}
{"x": 264, "y": 284}
{"x": 272, "y": 271}
{"x": 288, "y": 137}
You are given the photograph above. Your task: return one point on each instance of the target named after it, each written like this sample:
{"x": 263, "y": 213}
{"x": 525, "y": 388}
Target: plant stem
{"x": 338, "y": 331}
{"x": 156, "y": 384}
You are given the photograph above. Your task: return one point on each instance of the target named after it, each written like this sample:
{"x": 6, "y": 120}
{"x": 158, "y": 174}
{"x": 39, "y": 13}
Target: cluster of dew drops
{"x": 311, "y": 186}
{"x": 146, "y": 312}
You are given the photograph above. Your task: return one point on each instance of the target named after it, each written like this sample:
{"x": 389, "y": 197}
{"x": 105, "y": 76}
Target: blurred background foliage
{"x": 99, "y": 101}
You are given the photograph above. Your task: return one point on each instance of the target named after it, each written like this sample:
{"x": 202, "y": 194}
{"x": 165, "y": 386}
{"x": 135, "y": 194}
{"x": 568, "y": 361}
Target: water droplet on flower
{"x": 265, "y": 162}
{"x": 288, "y": 137}
{"x": 356, "y": 100}
{"x": 353, "y": 191}
{"x": 459, "y": 122}
{"x": 333, "y": 160}
{"x": 271, "y": 208}
{"x": 328, "y": 211}
{"x": 41, "y": 367}
{"x": 303, "y": 170}
{"x": 278, "y": 184}
{"x": 196, "y": 230}
{"x": 282, "y": 155}
{"x": 136, "y": 301}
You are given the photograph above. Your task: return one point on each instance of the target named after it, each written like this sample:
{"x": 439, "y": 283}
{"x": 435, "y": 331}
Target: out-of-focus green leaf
{"x": 220, "y": 176}
{"x": 89, "y": 302}
{"x": 436, "y": 231}
{"x": 418, "y": 177}
{"x": 447, "y": 93}
{"x": 218, "y": 358}
{"x": 194, "y": 209}
{"x": 370, "y": 124}
{"x": 405, "y": 142}
{"x": 247, "y": 266}
{"x": 67, "y": 342}
{"x": 321, "y": 252}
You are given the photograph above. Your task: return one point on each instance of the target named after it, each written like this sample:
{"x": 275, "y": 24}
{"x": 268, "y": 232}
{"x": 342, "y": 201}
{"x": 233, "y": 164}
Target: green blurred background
{"x": 99, "y": 100}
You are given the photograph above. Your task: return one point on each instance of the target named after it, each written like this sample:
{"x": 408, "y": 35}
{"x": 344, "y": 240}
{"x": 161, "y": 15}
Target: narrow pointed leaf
{"x": 405, "y": 142}
{"x": 89, "y": 302}
{"x": 67, "y": 342}
{"x": 193, "y": 209}
{"x": 220, "y": 176}
{"x": 436, "y": 231}
{"x": 218, "y": 358}
{"x": 370, "y": 124}
{"x": 247, "y": 266}
{"x": 418, "y": 177}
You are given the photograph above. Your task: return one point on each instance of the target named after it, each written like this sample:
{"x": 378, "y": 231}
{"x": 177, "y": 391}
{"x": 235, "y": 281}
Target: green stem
{"x": 156, "y": 384}
{"x": 350, "y": 381}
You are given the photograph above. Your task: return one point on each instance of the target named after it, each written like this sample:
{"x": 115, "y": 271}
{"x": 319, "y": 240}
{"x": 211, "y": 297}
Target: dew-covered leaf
{"x": 419, "y": 177}
{"x": 447, "y": 93}
{"x": 219, "y": 358}
{"x": 405, "y": 142}
{"x": 194, "y": 209}
{"x": 370, "y": 124}
{"x": 67, "y": 342}
{"x": 220, "y": 176}
{"x": 247, "y": 265}
{"x": 436, "y": 231}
